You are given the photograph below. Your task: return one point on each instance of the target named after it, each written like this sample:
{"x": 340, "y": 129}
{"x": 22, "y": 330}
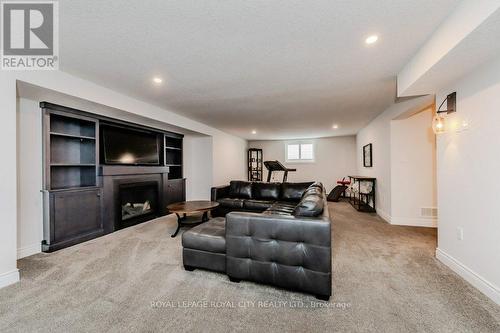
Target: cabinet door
{"x": 75, "y": 213}
{"x": 175, "y": 191}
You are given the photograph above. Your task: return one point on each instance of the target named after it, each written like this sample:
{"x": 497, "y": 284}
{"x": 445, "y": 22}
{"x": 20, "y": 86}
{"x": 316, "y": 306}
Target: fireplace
{"x": 138, "y": 202}
{"x": 132, "y": 194}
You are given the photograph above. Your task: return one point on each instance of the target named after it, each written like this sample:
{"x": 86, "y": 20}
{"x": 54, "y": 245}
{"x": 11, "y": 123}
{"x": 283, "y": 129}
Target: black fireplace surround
{"x": 133, "y": 195}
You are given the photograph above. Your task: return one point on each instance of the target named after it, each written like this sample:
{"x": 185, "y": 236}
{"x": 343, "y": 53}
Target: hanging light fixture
{"x": 438, "y": 124}
{"x": 439, "y": 121}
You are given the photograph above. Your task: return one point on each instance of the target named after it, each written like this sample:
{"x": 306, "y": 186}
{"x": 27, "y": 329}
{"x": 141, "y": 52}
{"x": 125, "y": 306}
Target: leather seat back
{"x": 289, "y": 251}
{"x": 240, "y": 189}
{"x": 293, "y": 191}
{"x": 266, "y": 191}
{"x": 312, "y": 202}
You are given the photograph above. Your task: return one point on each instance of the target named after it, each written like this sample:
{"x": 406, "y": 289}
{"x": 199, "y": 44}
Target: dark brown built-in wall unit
{"x": 104, "y": 174}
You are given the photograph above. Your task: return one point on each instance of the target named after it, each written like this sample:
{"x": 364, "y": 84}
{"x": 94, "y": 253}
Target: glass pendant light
{"x": 438, "y": 124}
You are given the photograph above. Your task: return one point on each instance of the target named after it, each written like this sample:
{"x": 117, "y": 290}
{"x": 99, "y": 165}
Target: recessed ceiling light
{"x": 371, "y": 39}
{"x": 254, "y": 132}
{"x": 335, "y": 126}
{"x": 157, "y": 80}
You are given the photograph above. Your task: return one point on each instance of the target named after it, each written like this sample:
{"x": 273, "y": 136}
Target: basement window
{"x": 299, "y": 151}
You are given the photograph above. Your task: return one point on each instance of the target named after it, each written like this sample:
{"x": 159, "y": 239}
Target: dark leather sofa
{"x": 278, "y": 234}
{"x": 244, "y": 196}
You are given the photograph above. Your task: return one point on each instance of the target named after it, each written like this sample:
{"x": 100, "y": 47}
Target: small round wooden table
{"x": 188, "y": 207}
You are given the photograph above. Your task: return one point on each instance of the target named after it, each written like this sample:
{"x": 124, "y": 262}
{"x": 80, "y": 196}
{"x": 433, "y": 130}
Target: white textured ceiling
{"x": 477, "y": 48}
{"x": 289, "y": 69}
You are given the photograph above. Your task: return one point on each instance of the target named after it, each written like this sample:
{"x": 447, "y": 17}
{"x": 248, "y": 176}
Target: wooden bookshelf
{"x": 71, "y": 151}
{"x": 173, "y": 156}
{"x": 255, "y": 164}
{"x": 79, "y": 193}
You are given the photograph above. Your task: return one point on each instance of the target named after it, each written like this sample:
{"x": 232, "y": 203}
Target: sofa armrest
{"x": 287, "y": 251}
{"x": 219, "y": 192}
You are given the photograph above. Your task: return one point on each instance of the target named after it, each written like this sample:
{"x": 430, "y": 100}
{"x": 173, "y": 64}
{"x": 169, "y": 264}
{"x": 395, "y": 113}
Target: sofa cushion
{"x": 281, "y": 208}
{"x": 260, "y": 205}
{"x": 285, "y": 204}
{"x": 293, "y": 191}
{"x": 231, "y": 203}
{"x": 266, "y": 191}
{"x": 315, "y": 188}
{"x": 271, "y": 211}
{"x": 317, "y": 185}
{"x": 240, "y": 189}
{"x": 209, "y": 236}
{"x": 311, "y": 205}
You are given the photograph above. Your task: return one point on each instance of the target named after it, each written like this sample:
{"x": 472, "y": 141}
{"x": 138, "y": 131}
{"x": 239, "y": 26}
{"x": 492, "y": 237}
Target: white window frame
{"x": 300, "y": 159}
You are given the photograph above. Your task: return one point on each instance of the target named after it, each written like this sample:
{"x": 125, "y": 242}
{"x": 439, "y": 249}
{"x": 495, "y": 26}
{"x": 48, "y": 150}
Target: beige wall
{"x": 468, "y": 163}
{"x": 198, "y": 166}
{"x": 29, "y": 178}
{"x": 413, "y": 170}
{"x": 229, "y": 159}
{"x": 8, "y": 180}
{"x": 378, "y": 133}
{"x": 335, "y": 158}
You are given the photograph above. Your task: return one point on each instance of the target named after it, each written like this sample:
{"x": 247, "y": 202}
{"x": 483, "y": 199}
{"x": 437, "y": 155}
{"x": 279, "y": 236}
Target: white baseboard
{"x": 414, "y": 222}
{"x": 484, "y": 286}
{"x": 407, "y": 221}
{"x": 9, "y": 278}
{"x": 386, "y": 217}
{"x": 29, "y": 250}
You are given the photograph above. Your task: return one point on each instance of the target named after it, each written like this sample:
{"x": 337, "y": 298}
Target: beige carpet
{"x": 386, "y": 279}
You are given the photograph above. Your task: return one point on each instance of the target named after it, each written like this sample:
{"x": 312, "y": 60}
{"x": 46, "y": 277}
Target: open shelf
{"x": 72, "y": 161}
{"x": 173, "y": 143}
{"x": 69, "y": 126}
{"x": 81, "y": 137}
{"x": 70, "y": 150}
{"x": 63, "y": 177}
{"x": 175, "y": 172}
{"x": 173, "y": 156}
{"x": 71, "y": 164}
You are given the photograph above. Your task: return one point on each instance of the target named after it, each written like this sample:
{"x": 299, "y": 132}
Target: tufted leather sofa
{"x": 204, "y": 246}
{"x": 286, "y": 243}
{"x": 256, "y": 197}
{"x": 281, "y": 249}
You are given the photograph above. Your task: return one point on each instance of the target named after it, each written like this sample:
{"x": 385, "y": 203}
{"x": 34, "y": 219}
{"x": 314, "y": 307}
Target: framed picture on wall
{"x": 367, "y": 156}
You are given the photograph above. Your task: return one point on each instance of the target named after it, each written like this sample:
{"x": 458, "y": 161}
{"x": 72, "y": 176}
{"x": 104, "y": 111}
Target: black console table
{"x": 360, "y": 199}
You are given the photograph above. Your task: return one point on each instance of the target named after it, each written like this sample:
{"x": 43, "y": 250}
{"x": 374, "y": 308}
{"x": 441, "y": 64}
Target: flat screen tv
{"x": 129, "y": 147}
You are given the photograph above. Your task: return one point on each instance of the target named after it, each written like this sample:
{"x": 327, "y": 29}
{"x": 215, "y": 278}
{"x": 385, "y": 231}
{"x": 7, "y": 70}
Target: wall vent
{"x": 429, "y": 212}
